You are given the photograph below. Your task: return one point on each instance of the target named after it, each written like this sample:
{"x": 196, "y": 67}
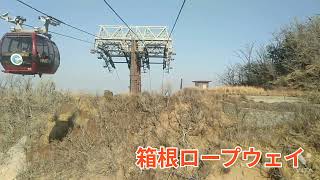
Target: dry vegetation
{"x": 290, "y": 60}
{"x": 256, "y": 91}
{"x": 25, "y": 109}
{"x": 109, "y": 129}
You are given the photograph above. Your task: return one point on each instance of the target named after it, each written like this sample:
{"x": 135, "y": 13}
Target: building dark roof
{"x": 201, "y": 81}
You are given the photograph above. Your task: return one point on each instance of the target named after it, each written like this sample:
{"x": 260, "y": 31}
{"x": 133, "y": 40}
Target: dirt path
{"x": 238, "y": 173}
{"x": 14, "y": 160}
{"x": 275, "y": 99}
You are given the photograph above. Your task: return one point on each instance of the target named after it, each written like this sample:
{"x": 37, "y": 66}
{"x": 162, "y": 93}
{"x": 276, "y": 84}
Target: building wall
{"x": 202, "y": 85}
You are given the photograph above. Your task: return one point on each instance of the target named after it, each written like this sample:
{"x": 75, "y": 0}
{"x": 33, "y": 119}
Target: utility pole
{"x": 136, "y": 45}
{"x": 135, "y": 70}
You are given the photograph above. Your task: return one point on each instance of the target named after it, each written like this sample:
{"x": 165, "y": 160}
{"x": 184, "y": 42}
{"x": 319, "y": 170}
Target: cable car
{"x": 28, "y": 53}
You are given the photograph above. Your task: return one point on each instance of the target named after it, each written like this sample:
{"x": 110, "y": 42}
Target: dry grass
{"x": 313, "y": 97}
{"x": 110, "y": 128}
{"x": 106, "y": 144}
{"x": 24, "y": 109}
{"x": 255, "y": 91}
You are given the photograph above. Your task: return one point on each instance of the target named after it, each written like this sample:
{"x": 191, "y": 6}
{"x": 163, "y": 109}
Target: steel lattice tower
{"x": 137, "y": 45}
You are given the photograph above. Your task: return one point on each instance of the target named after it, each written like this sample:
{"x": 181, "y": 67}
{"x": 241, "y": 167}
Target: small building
{"x": 202, "y": 84}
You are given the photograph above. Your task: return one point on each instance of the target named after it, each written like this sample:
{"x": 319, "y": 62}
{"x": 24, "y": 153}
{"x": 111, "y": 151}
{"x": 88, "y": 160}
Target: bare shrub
{"x": 25, "y": 108}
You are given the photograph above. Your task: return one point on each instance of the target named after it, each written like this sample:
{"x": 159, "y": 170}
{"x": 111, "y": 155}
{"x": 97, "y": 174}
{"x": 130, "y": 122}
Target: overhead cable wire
{"x": 150, "y": 81}
{"x": 162, "y": 83}
{"x": 62, "y": 22}
{"x": 117, "y": 14}
{"x": 175, "y": 24}
{"x": 71, "y": 37}
{"x": 178, "y": 16}
{"x": 117, "y": 74}
{"x": 64, "y": 35}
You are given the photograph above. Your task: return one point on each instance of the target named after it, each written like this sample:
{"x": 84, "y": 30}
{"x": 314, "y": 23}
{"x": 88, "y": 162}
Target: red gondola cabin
{"x": 28, "y": 54}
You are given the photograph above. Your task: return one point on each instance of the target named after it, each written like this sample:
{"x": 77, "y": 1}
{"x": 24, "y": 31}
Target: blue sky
{"x": 205, "y": 40}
